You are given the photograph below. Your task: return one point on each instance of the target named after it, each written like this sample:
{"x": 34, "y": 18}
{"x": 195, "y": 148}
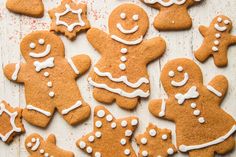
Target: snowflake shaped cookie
{"x": 69, "y": 18}
{"x": 111, "y": 133}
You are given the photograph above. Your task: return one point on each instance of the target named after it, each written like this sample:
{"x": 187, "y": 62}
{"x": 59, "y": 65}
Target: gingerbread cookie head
{"x": 33, "y": 142}
{"x": 128, "y": 21}
{"x": 222, "y": 23}
{"x": 180, "y": 74}
{"x": 40, "y": 45}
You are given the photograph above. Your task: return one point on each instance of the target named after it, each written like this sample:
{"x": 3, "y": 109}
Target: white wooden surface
{"x": 180, "y": 44}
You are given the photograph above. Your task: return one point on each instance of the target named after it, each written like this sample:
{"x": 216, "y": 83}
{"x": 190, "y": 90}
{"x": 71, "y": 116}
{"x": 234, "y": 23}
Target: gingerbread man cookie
{"x": 173, "y": 14}
{"x": 155, "y": 142}
{"x": 69, "y": 18}
{"x": 121, "y": 75}
{"x": 217, "y": 39}
{"x": 38, "y": 147}
{"x": 49, "y": 79}
{"x": 202, "y": 127}
{"x": 110, "y": 137}
{"x": 32, "y": 8}
{"x": 10, "y": 122}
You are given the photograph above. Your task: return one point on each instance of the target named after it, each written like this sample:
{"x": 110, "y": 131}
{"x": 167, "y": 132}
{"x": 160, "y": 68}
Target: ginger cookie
{"x": 110, "y": 136}
{"x": 121, "y": 74}
{"x": 38, "y": 147}
{"x": 32, "y": 8}
{"x": 217, "y": 39}
{"x": 69, "y": 18}
{"x": 10, "y": 122}
{"x": 49, "y": 79}
{"x": 202, "y": 127}
{"x": 155, "y": 142}
{"x": 173, "y": 14}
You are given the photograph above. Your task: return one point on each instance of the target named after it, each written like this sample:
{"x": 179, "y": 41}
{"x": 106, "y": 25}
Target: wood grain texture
{"x": 179, "y": 44}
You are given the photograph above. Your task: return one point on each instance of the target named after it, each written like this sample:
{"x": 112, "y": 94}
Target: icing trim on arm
{"x": 41, "y": 54}
{"x": 181, "y": 83}
{"x": 134, "y": 94}
{"x": 165, "y": 4}
{"x": 15, "y": 74}
{"x": 122, "y": 79}
{"x": 76, "y": 105}
{"x": 214, "y": 91}
{"x": 127, "y": 31}
{"x": 73, "y": 66}
{"x": 126, "y": 42}
{"x": 163, "y": 108}
{"x": 46, "y": 113}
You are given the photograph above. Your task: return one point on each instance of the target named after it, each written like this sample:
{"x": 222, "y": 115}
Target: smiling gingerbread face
{"x": 179, "y": 75}
{"x": 41, "y": 45}
{"x": 222, "y": 24}
{"x": 129, "y": 22}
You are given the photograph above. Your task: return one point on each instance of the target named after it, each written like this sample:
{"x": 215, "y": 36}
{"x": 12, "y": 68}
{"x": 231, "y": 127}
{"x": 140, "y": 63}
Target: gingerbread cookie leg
{"x": 103, "y": 95}
{"x": 220, "y": 59}
{"x": 126, "y": 103}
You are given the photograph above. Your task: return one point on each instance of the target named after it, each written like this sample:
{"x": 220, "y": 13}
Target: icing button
{"x": 46, "y": 74}
{"x": 51, "y": 94}
{"x": 124, "y": 50}
{"x": 144, "y": 153}
{"x": 122, "y": 66}
{"x": 201, "y": 120}
{"x": 123, "y": 59}
{"x": 127, "y": 152}
{"x": 152, "y": 132}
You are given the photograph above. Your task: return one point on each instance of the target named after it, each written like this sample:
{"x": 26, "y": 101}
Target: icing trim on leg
{"x": 76, "y": 105}
{"x": 46, "y": 113}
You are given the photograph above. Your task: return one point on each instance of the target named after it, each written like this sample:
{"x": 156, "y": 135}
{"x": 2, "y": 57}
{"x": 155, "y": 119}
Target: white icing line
{"x": 76, "y": 105}
{"x": 15, "y": 74}
{"x": 48, "y": 63}
{"x": 132, "y": 42}
{"x": 219, "y": 28}
{"x": 36, "y": 146}
{"x": 41, "y": 54}
{"x": 122, "y": 78}
{"x": 184, "y": 148}
{"x": 181, "y": 83}
{"x": 73, "y": 66}
{"x": 164, "y": 3}
{"x": 119, "y": 91}
{"x": 46, "y": 113}
{"x": 163, "y": 108}
{"x": 213, "y": 90}
{"x": 127, "y": 31}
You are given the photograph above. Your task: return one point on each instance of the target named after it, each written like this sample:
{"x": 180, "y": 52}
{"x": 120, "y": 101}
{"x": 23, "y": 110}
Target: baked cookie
{"x": 32, "y": 8}
{"x": 10, "y": 122}
{"x": 110, "y": 136}
{"x": 217, "y": 39}
{"x": 38, "y": 147}
{"x": 202, "y": 127}
{"x": 155, "y": 142}
{"x": 49, "y": 79}
{"x": 173, "y": 14}
{"x": 121, "y": 75}
{"x": 69, "y": 18}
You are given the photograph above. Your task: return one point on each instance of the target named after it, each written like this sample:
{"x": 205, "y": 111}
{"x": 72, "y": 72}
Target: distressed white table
{"x": 180, "y": 44}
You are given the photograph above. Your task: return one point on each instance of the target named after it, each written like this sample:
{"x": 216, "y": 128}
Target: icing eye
{"x": 41, "y": 41}
{"x": 180, "y": 68}
{"x": 33, "y": 140}
{"x": 123, "y": 16}
{"x": 171, "y": 74}
{"x": 32, "y": 45}
{"x": 135, "y": 17}
{"x": 226, "y": 22}
{"x": 219, "y": 19}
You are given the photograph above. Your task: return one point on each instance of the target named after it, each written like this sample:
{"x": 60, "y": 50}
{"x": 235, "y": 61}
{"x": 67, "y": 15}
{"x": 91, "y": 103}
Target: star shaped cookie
{"x": 111, "y": 137}
{"x": 155, "y": 142}
{"x": 10, "y": 122}
{"x": 69, "y": 18}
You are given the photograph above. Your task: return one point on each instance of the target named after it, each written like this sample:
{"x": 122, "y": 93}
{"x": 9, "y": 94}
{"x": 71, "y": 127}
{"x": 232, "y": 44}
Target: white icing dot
{"x": 196, "y": 112}
{"x": 32, "y": 45}
{"x": 41, "y": 41}
{"x": 91, "y": 138}
{"x": 201, "y": 120}
{"x": 134, "y": 122}
{"x": 144, "y": 140}
{"x": 152, "y": 132}
{"x": 46, "y": 74}
{"x": 135, "y": 17}
{"x": 123, "y": 141}
{"x": 124, "y": 50}
{"x": 218, "y": 35}
{"x": 144, "y": 153}
{"x": 89, "y": 150}
{"x": 193, "y": 105}
{"x": 122, "y": 66}
{"x": 82, "y": 144}
{"x": 101, "y": 113}
{"x": 51, "y": 94}
{"x": 127, "y": 152}
{"x": 216, "y": 42}
{"x": 164, "y": 137}
{"x": 98, "y": 134}
{"x": 123, "y": 59}
{"x": 219, "y": 19}
{"x": 33, "y": 140}
{"x": 113, "y": 125}
{"x": 98, "y": 154}
{"x": 124, "y": 123}
{"x": 29, "y": 144}
{"x": 109, "y": 118}
{"x": 170, "y": 151}
{"x": 49, "y": 84}
{"x": 215, "y": 49}
{"x": 41, "y": 151}
{"x": 123, "y": 16}
{"x": 180, "y": 68}
{"x": 171, "y": 74}
{"x": 98, "y": 124}
{"x": 46, "y": 155}
{"x": 226, "y": 22}
{"x": 128, "y": 133}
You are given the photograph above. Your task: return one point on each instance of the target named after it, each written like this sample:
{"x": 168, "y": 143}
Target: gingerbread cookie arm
{"x": 98, "y": 39}
{"x": 232, "y": 40}
{"x": 15, "y": 72}
{"x": 203, "y": 30}
{"x": 218, "y": 86}
{"x": 51, "y": 139}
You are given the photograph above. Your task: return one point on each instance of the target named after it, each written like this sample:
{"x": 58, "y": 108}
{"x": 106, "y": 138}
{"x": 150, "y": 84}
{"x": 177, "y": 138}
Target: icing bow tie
{"x": 191, "y": 94}
{"x": 48, "y": 63}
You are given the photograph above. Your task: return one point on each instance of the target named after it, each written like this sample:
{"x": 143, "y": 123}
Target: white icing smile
{"x": 181, "y": 83}
{"x": 41, "y": 54}
{"x": 127, "y": 31}
{"x": 37, "y": 144}
{"x": 219, "y": 28}
{"x": 126, "y": 42}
